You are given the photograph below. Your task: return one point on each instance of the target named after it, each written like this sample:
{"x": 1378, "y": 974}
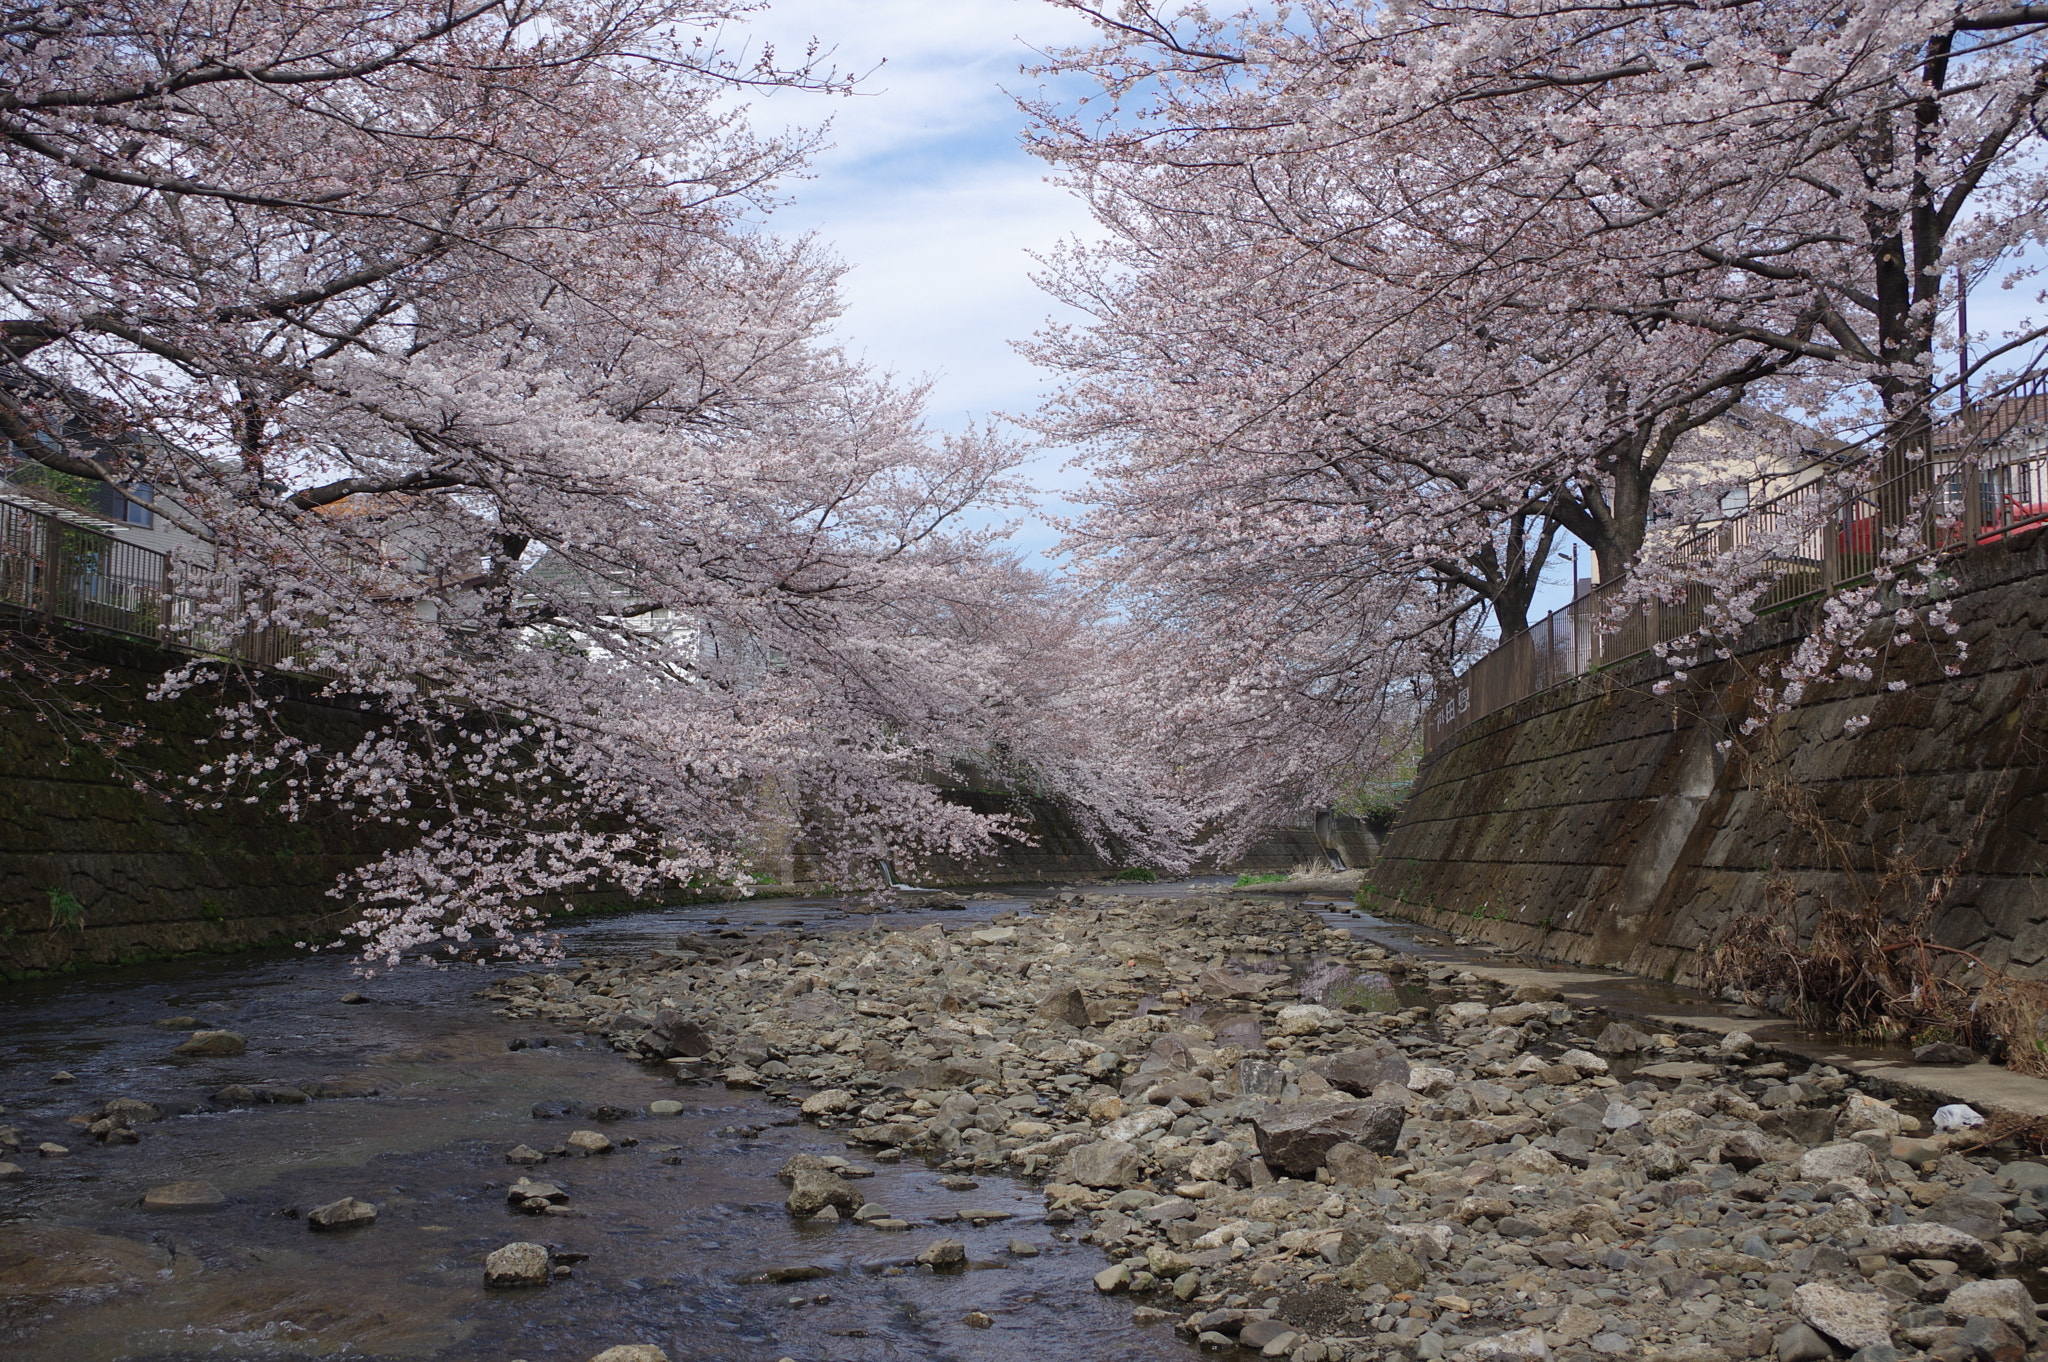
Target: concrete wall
{"x": 1601, "y": 823}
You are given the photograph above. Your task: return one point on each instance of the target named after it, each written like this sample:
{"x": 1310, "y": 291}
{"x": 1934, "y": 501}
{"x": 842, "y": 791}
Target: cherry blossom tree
{"x": 1440, "y": 279}
{"x": 452, "y": 335}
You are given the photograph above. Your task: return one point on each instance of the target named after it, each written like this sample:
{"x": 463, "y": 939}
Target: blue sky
{"x": 928, "y": 196}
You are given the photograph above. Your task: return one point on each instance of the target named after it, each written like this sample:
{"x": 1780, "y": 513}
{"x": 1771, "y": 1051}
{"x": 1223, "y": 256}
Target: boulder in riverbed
{"x": 183, "y": 1196}
{"x": 518, "y": 1265}
{"x": 342, "y": 1214}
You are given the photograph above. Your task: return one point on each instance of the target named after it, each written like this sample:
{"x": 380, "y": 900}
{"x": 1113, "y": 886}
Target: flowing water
{"x": 672, "y": 1225}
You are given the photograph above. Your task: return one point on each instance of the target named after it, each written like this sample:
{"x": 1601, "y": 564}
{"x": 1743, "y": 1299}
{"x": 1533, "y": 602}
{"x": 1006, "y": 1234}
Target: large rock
{"x": 213, "y": 1043}
{"x": 1297, "y": 1139}
{"x": 183, "y": 1196}
{"x": 1106, "y": 1163}
{"x": 1924, "y": 1240}
{"x": 1351, "y": 1166}
{"x": 1065, "y": 1005}
{"x": 1360, "y": 1071}
{"x": 813, "y": 1189}
{"x": 342, "y": 1214}
{"x": 1215, "y": 1162}
{"x": 946, "y": 1253}
{"x": 1382, "y": 1264}
{"x": 1845, "y": 1159}
{"x": 1862, "y": 1112}
{"x": 1973, "y": 1215}
{"x": 1517, "y": 1345}
{"x": 1807, "y": 1125}
{"x": 1999, "y": 1298}
{"x": 677, "y": 1035}
{"x": 1851, "y": 1319}
{"x": 518, "y": 1264}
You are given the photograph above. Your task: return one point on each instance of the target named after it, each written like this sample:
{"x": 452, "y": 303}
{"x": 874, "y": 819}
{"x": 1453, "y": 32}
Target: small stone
{"x": 12, "y": 1172}
{"x": 183, "y": 1196}
{"x": 1113, "y": 1278}
{"x": 587, "y": 1142}
{"x": 946, "y": 1253}
{"x": 342, "y": 1214}
{"x": 50, "y": 1149}
{"x": 517, "y": 1265}
{"x": 632, "y": 1352}
{"x": 525, "y": 1154}
{"x": 213, "y": 1043}
{"x": 1852, "y": 1320}
{"x": 353, "y": 999}
{"x": 828, "y": 1103}
{"x": 1022, "y": 1248}
{"x": 63, "y": 1076}
{"x": 178, "y": 1023}
{"x": 978, "y": 1319}
{"x": 665, "y": 1107}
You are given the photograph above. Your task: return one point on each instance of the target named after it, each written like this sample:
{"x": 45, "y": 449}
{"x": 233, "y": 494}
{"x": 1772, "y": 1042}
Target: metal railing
{"x": 57, "y": 567}
{"x": 1956, "y": 503}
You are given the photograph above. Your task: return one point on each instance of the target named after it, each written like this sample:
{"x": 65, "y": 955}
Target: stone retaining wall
{"x": 1602, "y": 823}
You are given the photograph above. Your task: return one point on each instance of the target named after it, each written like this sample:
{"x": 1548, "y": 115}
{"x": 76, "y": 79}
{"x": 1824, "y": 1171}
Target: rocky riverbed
{"x": 1292, "y": 1143}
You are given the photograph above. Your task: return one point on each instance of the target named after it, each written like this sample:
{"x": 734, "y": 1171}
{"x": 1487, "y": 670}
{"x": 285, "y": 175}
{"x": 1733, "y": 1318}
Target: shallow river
{"x": 670, "y": 1225}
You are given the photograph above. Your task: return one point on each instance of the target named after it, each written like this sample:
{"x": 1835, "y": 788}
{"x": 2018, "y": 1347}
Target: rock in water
{"x": 518, "y": 1264}
{"x": 1297, "y": 1139}
{"x": 944, "y": 1254}
{"x": 588, "y": 1142}
{"x": 1106, "y": 1163}
{"x": 1852, "y": 1320}
{"x": 340, "y": 1215}
{"x": 632, "y": 1352}
{"x": 1382, "y": 1264}
{"x": 213, "y": 1043}
{"x": 183, "y": 1196}
{"x": 1941, "y": 1052}
{"x": 813, "y": 1186}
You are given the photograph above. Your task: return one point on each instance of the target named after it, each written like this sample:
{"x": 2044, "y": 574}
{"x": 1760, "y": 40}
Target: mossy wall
{"x": 147, "y": 877}
{"x": 96, "y": 871}
{"x": 1603, "y": 823}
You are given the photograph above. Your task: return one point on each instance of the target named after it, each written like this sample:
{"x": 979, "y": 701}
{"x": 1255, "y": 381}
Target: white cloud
{"x": 927, "y": 194}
